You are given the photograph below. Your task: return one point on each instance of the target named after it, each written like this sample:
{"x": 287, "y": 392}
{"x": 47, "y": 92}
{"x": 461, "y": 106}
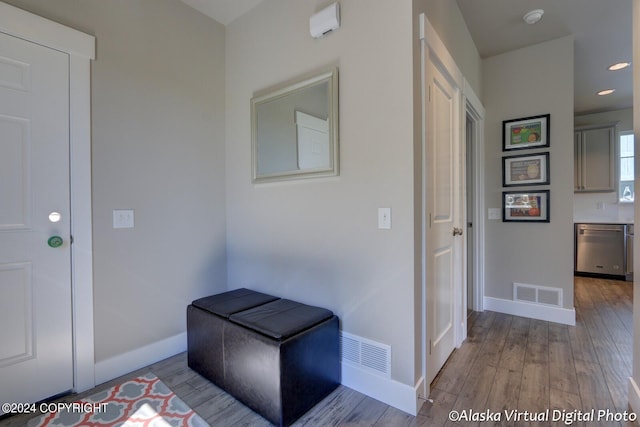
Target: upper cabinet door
{"x": 595, "y": 168}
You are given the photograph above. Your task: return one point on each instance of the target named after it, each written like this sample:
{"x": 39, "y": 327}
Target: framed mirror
{"x": 294, "y": 130}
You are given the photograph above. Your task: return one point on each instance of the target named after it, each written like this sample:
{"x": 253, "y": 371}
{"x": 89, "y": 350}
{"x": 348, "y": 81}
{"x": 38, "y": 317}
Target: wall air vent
{"x": 366, "y": 354}
{"x": 537, "y": 294}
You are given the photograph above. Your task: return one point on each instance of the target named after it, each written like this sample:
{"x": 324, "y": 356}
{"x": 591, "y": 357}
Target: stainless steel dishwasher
{"x": 600, "y": 249}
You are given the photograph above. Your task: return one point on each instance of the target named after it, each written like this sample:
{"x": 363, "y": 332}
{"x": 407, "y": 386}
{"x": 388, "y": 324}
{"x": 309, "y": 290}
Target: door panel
{"x": 443, "y": 151}
{"x": 35, "y": 279}
{"x": 443, "y": 193}
{"x": 14, "y": 169}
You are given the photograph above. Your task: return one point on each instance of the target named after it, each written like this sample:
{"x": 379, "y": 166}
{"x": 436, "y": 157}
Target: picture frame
{"x": 526, "y": 133}
{"x": 526, "y": 206}
{"x": 528, "y": 169}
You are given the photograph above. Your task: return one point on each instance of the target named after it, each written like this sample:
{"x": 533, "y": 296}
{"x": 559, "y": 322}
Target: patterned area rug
{"x": 143, "y": 401}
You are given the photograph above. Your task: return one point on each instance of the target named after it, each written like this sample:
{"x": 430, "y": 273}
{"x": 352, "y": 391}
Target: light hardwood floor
{"x": 507, "y": 363}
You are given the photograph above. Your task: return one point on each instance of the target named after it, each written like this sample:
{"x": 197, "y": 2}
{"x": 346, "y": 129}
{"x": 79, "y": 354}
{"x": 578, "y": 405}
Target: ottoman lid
{"x": 227, "y": 303}
{"x": 282, "y": 318}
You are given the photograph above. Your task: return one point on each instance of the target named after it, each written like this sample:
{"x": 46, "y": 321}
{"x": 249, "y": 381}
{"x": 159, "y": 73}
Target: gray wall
{"x": 533, "y": 253}
{"x": 157, "y": 148}
{"x": 317, "y": 240}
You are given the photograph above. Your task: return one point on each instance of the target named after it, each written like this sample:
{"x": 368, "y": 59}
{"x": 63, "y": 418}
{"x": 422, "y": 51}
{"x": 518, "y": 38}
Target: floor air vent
{"x": 366, "y": 354}
{"x": 537, "y": 294}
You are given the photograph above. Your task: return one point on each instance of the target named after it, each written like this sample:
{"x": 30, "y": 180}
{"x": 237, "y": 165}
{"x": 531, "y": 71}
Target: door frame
{"x": 433, "y": 49}
{"x": 475, "y": 110}
{"x": 81, "y": 50}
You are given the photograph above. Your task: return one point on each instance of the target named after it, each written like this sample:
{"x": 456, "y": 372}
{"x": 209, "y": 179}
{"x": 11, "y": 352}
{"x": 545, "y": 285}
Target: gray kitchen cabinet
{"x": 595, "y": 158}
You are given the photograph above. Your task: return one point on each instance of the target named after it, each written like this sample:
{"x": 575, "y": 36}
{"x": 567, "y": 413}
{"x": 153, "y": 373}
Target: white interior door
{"x": 314, "y": 150}
{"x": 35, "y": 273}
{"x": 444, "y": 249}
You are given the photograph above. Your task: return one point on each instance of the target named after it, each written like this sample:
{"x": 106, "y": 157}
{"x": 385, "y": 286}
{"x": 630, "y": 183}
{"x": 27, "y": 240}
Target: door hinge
{"x": 429, "y": 219}
{"x": 429, "y": 93}
{"x": 71, "y": 240}
{"x": 430, "y": 347}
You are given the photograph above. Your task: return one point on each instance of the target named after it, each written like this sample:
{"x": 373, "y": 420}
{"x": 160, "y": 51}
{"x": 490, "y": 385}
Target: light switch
{"x": 123, "y": 218}
{"x": 384, "y": 218}
{"x": 494, "y": 213}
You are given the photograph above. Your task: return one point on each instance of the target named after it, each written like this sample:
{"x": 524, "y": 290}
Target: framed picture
{"x": 525, "y": 206}
{"x": 530, "y": 169}
{"x": 528, "y": 132}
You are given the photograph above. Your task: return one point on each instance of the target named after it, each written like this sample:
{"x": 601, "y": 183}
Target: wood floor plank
{"x": 612, "y": 324}
{"x": 494, "y": 342}
{"x": 580, "y": 340}
{"x": 594, "y": 392}
{"x": 393, "y": 417}
{"x": 534, "y": 388}
{"x": 436, "y": 413}
{"x": 504, "y": 394}
{"x": 332, "y": 410}
{"x": 476, "y": 389}
{"x": 515, "y": 347}
{"x": 367, "y": 413}
{"x": 566, "y": 403}
{"x": 562, "y": 371}
{"x": 453, "y": 375}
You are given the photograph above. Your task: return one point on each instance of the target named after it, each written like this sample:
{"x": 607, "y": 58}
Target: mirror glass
{"x": 295, "y": 130}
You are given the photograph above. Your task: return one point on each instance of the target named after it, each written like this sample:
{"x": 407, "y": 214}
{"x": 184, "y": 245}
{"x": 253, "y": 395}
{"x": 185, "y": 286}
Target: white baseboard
{"x": 533, "y": 311}
{"x": 634, "y": 396}
{"x": 122, "y": 364}
{"x": 393, "y": 393}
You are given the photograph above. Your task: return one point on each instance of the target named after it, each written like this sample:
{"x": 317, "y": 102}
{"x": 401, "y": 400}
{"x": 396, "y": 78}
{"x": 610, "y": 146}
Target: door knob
{"x": 457, "y": 231}
{"x": 55, "y": 241}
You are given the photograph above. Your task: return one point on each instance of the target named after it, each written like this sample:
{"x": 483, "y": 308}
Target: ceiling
{"x": 223, "y": 11}
{"x": 602, "y": 32}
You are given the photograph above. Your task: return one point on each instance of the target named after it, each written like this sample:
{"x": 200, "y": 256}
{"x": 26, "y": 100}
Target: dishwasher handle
{"x": 616, "y": 230}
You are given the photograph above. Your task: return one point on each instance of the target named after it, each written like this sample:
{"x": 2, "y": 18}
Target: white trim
{"x": 534, "y": 311}
{"x": 634, "y": 396}
{"x": 34, "y": 28}
{"x": 122, "y": 364}
{"x": 423, "y": 209}
{"x": 474, "y": 107}
{"x": 81, "y": 50}
{"x": 81, "y": 226}
{"x": 439, "y": 51}
{"x": 393, "y": 393}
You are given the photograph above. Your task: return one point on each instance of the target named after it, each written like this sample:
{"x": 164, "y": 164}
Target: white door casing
{"x": 80, "y": 49}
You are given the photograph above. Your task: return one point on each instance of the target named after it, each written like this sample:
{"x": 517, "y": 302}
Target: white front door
{"x": 35, "y": 270}
{"x": 443, "y": 209}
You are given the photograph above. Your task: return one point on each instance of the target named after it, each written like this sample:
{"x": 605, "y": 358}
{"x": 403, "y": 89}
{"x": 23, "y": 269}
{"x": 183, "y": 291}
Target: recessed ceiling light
{"x": 533, "y": 16}
{"x": 606, "y": 92}
{"x": 619, "y": 66}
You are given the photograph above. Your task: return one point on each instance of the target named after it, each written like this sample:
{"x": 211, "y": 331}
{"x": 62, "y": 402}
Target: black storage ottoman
{"x": 206, "y": 318}
{"x": 280, "y": 358}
